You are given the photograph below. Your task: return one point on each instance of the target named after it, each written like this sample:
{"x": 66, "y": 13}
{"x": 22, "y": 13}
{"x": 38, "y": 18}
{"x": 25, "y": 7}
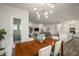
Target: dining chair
{"x": 56, "y": 50}
{"x": 45, "y": 51}
{"x": 55, "y": 37}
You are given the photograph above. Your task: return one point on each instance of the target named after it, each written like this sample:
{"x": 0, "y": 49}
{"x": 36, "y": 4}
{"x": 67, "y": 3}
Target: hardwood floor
{"x": 72, "y": 47}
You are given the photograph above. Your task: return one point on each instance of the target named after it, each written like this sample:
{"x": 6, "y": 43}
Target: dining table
{"x": 31, "y": 48}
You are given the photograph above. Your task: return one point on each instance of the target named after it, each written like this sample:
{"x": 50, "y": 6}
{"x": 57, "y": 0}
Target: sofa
{"x": 65, "y": 37}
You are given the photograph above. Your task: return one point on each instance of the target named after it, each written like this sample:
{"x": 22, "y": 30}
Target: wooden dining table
{"x": 31, "y": 48}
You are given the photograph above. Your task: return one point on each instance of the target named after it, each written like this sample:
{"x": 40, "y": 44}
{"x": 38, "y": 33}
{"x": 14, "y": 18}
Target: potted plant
{"x": 2, "y": 35}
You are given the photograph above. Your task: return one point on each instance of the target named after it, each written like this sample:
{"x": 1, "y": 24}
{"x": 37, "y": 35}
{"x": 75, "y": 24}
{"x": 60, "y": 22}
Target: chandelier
{"x": 44, "y": 10}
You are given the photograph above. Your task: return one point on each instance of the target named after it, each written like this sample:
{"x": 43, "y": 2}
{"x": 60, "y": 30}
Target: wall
{"x": 7, "y": 13}
{"x": 64, "y": 27}
{"x": 53, "y": 27}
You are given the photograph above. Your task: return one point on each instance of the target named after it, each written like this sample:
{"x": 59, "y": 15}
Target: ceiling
{"x": 61, "y": 12}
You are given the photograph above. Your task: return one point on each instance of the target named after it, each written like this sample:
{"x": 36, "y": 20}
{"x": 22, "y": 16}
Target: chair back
{"x": 45, "y": 51}
{"x": 55, "y": 37}
{"x": 57, "y": 48}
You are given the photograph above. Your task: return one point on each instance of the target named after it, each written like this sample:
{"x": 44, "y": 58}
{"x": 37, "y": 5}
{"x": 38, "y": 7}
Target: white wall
{"x": 53, "y": 27}
{"x": 7, "y": 13}
{"x": 64, "y": 27}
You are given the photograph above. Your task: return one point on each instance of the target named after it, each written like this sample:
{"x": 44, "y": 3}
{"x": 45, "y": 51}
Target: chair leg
{"x": 58, "y": 54}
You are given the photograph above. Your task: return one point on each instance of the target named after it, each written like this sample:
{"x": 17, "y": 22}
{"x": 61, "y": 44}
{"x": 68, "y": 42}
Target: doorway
{"x": 16, "y": 30}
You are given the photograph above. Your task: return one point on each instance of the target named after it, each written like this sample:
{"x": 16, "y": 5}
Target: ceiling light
{"x": 46, "y": 16}
{"x": 38, "y": 16}
{"x": 51, "y": 11}
{"x": 52, "y": 6}
{"x": 35, "y": 9}
{"x": 44, "y": 9}
{"x": 49, "y": 4}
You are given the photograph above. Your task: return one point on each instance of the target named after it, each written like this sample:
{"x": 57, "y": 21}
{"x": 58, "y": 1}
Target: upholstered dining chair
{"x": 45, "y": 51}
{"x": 55, "y": 37}
{"x": 56, "y": 48}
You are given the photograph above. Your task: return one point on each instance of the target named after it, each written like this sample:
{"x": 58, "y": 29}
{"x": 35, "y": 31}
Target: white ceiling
{"x": 61, "y": 12}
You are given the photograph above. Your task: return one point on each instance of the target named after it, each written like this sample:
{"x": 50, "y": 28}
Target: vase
{"x": 41, "y": 41}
